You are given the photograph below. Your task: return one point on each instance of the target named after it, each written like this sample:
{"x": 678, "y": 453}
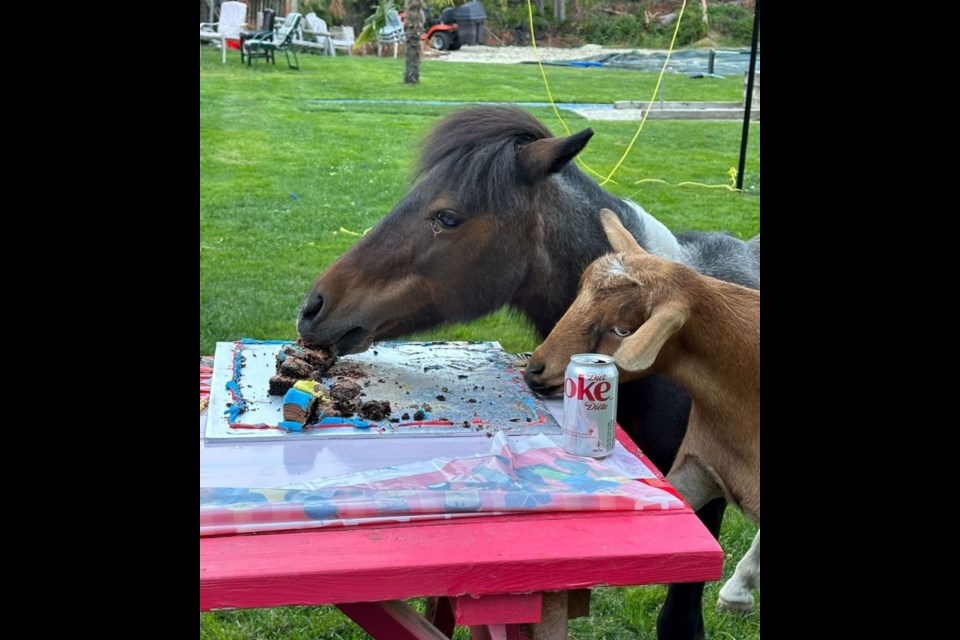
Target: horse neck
{"x": 651, "y": 234}
{"x": 568, "y": 236}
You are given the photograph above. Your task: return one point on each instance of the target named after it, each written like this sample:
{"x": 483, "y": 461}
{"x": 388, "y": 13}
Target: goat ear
{"x": 621, "y": 239}
{"x": 638, "y": 352}
{"x": 543, "y": 157}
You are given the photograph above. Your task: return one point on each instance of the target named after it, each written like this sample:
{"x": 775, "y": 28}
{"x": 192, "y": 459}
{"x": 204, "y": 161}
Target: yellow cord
{"x": 689, "y": 183}
{"x": 543, "y": 73}
{"x": 354, "y": 233}
{"x": 546, "y": 86}
{"x": 656, "y": 90}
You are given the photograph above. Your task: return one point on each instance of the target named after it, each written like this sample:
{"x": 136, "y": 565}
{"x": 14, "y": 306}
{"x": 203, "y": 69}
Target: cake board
{"x": 462, "y": 388}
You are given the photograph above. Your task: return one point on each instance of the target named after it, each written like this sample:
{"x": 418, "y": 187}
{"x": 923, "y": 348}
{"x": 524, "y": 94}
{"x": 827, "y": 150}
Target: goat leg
{"x": 736, "y": 593}
{"x": 694, "y": 482}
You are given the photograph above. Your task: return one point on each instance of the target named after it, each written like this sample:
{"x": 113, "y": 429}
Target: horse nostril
{"x": 312, "y": 306}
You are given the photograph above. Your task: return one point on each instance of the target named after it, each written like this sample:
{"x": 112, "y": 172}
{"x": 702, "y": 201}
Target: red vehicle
{"x": 443, "y": 34}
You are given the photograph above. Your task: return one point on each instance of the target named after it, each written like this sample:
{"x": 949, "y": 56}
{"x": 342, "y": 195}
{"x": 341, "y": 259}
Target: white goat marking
{"x": 614, "y": 267}
{"x": 736, "y": 593}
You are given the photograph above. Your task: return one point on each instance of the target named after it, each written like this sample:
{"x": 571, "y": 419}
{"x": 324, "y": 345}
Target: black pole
{"x": 749, "y": 105}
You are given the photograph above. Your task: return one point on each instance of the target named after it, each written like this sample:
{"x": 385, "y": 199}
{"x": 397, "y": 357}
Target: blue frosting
{"x": 237, "y": 365}
{"x": 239, "y": 404}
{"x": 357, "y": 422}
{"x": 290, "y": 425}
{"x": 297, "y": 397}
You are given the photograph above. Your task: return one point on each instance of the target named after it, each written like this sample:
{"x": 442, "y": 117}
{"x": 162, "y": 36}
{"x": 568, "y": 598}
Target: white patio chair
{"x": 391, "y": 33}
{"x": 233, "y": 18}
{"x": 343, "y": 38}
{"x": 317, "y": 27}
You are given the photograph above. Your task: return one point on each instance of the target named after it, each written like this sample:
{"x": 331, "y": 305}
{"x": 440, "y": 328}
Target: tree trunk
{"x": 412, "y": 30}
{"x": 703, "y": 5}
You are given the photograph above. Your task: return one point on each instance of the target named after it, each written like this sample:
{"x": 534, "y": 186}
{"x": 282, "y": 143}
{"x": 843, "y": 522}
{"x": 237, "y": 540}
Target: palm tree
{"x": 413, "y": 10}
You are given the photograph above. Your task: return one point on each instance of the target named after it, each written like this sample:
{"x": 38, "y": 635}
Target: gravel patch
{"x": 517, "y": 55}
{"x": 527, "y": 54}
{"x": 513, "y": 55}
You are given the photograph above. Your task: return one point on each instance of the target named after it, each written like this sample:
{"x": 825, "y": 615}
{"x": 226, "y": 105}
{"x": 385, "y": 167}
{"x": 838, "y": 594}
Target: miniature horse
{"x": 500, "y": 215}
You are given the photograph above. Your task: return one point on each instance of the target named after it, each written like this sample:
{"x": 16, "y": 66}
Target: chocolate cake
{"x": 298, "y": 369}
{"x": 279, "y": 385}
{"x": 344, "y": 393}
{"x": 300, "y": 361}
{"x": 317, "y": 357}
{"x": 375, "y": 410}
{"x": 344, "y": 389}
{"x": 306, "y": 402}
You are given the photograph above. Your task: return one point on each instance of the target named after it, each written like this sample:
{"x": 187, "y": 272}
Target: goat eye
{"x": 448, "y": 219}
{"x": 623, "y": 333}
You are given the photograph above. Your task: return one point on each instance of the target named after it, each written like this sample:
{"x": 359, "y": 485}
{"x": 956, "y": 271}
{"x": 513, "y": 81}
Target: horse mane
{"x": 472, "y": 155}
{"x": 477, "y": 146}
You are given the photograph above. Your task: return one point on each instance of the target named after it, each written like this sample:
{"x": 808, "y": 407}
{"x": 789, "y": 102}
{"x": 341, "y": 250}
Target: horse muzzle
{"x": 353, "y": 340}
{"x": 316, "y": 325}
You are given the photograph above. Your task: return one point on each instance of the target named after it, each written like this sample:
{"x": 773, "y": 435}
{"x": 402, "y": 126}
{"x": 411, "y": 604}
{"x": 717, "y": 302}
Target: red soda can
{"x": 590, "y": 405}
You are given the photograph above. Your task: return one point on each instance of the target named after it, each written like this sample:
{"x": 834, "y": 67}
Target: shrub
{"x": 594, "y": 30}
{"x": 692, "y": 28}
{"x": 731, "y": 21}
{"x": 588, "y": 22}
{"x": 624, "y": 30}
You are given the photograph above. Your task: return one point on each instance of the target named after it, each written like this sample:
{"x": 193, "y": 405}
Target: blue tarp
{"x": 686, "y": 61}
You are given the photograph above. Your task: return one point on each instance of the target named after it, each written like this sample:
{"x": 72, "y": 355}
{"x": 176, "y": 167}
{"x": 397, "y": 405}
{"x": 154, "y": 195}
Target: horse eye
{"x": 623, "y": 333}
{"x": 448, "y": 219}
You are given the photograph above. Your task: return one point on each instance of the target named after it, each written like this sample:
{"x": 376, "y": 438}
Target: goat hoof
{"x": 735, "y": 600}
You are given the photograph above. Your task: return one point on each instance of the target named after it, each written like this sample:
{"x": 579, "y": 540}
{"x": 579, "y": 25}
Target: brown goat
{"x": 657, "y": 316}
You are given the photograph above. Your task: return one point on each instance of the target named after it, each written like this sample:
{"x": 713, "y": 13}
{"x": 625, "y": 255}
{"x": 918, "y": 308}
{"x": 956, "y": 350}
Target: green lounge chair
{"x": 266, "y": 45}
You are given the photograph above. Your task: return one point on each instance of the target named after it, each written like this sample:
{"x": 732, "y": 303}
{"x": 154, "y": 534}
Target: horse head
{"x": 464, "y": 241}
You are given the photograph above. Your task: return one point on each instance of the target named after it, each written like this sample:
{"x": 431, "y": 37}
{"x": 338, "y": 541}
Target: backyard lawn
{"x": 294, "y": 165}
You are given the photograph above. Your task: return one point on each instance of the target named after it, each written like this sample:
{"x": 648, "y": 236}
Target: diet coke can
{"x": 590, "y": 405}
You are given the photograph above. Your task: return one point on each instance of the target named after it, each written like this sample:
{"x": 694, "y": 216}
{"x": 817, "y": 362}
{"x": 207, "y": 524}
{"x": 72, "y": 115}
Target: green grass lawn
{"x": 288, "y": 178}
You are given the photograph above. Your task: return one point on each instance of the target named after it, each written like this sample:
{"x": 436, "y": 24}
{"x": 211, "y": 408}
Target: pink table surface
{"x": 490, "y": 573}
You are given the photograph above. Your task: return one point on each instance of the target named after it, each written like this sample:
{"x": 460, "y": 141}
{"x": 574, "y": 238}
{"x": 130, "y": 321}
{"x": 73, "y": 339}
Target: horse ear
{"x": 542, "y": 158}
{"x": 638, "y": 352}
{"x": 620, "y": 239}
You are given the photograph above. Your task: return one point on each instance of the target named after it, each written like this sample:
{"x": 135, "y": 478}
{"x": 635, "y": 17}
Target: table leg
{"x": 223, "y": 48}
{"x": 440, "y": 613}
{"x": 553, "y": 623}
{"x": 392, "y": 620}
{"x": 397, "y": 620}
{"x": 499, "y": 632}
{"x": 558, "y": 607}
{"x": 578, "y": 603}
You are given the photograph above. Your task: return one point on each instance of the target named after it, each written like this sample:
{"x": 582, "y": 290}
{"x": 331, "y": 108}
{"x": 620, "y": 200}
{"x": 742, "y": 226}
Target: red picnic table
{"x": 492, "y": 573}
